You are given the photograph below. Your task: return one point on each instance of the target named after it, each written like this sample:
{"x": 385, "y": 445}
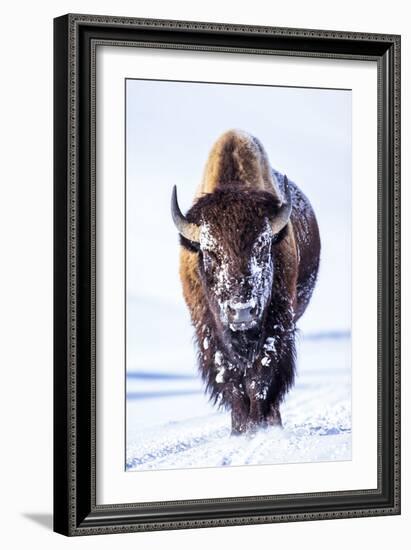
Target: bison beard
{"x": 254, "y": 369}
{"x": 248, "y": 267}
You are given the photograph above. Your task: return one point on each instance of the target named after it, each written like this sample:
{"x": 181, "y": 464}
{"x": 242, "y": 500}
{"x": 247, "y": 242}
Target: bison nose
{"x": 241, "y": 313}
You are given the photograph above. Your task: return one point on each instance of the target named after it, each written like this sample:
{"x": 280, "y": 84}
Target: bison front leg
{"x": 274, "y": 416}
{"x": 257, "y": 391}
{"x": 263, "y": 412}
{"x": 240, "y": 407}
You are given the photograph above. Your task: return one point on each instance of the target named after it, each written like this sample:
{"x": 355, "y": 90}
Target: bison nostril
{"x": 240, "y": 313}
{"x": 231, "y": 310}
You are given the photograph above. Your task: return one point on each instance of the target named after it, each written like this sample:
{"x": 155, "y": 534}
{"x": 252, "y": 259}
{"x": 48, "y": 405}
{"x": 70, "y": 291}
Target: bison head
{"x": 234, "y": 232}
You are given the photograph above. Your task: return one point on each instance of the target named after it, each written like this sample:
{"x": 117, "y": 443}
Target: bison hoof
{"x": 238, "y": 430}
{"x": 253, "y": 427}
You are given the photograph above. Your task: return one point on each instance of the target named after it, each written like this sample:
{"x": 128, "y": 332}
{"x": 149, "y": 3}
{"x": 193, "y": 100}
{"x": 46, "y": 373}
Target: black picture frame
{"x": 75, "y": 509}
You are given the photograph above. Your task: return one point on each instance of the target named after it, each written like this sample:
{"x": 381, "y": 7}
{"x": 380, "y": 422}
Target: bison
{"x": 250, "y": 250}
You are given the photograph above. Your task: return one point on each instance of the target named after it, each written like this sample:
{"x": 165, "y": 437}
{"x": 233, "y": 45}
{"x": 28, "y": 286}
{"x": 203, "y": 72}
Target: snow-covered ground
{"x": 170, "y": 423}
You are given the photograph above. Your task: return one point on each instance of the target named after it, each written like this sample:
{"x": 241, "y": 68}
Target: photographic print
{"x": 238, "y": 275}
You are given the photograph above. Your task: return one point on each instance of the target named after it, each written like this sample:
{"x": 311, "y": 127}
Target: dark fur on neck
{"x": 243, "y": 357}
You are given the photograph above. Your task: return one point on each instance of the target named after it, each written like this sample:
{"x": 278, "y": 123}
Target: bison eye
{"x": 209, "y": 259}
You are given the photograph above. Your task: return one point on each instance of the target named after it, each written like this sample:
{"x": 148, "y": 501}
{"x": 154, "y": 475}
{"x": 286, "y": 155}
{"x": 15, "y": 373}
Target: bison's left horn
{"x": 281, "y": 219}
{"x": 190, "y": 231}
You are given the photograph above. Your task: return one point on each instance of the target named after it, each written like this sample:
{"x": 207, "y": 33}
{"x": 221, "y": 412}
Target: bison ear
{"x": 278, "y": 237}
{"x": 192, "y": 246}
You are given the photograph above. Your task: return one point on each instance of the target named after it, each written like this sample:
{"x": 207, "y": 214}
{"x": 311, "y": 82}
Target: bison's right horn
{"x": 281, "y": 219}
{"x": 190, "y": 231}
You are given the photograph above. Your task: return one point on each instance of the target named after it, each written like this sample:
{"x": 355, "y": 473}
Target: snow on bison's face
{"x": 237, "y": 274}
{"x": 234, "y": 232}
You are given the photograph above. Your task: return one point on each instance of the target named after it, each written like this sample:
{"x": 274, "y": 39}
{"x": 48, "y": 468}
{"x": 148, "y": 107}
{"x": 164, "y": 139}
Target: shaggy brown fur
{"x": 248, "y": 371}
{"x": 238, "y": 157}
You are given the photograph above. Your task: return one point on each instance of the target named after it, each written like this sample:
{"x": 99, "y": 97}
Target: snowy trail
{"x": 170, "y": 423}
